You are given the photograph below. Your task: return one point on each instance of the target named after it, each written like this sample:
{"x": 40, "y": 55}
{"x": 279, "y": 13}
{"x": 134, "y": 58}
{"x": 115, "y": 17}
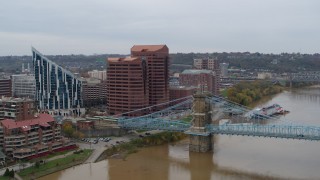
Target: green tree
{"x": 67, "y": 129}
{"x": 6, "y": 173}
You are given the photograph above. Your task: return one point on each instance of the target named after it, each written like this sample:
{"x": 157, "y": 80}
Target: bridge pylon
{"x": 200, "y": 139}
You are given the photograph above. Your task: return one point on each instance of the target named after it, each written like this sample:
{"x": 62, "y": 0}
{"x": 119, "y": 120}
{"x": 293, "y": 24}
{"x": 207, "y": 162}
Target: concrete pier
{"x": 200, "y": 139}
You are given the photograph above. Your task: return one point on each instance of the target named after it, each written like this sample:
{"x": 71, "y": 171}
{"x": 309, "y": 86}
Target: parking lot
{"x": 97, "y": 142}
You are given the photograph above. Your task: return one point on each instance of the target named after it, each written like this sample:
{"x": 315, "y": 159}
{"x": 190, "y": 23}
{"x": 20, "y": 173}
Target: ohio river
{"x": 234, "y": 157}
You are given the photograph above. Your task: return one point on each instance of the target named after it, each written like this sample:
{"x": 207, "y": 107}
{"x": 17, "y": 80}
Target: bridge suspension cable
{"x": 161, "y": 104}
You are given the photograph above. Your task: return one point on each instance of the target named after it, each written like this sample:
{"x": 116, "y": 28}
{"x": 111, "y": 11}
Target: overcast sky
{"x": 113, "y": 26}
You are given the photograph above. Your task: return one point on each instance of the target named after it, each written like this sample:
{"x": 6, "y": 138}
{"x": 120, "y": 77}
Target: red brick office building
{"x": 157, "y": 58}
{"x": 138, "y": 81}
{"x": 127, "y": 85}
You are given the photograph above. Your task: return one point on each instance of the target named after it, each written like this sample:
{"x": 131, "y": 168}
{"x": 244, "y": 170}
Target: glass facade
{"x": 56, "y": 88}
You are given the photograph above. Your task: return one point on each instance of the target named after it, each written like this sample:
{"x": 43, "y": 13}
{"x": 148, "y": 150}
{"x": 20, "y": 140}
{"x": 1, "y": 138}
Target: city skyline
{"x": 101, "y": 27}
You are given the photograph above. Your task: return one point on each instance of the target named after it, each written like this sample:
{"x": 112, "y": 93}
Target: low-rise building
{"x": 32, "y": 138}
{"x": 178, "y": 92}
{"x": 85, "y": 124}
{"x": 204, "y": 80}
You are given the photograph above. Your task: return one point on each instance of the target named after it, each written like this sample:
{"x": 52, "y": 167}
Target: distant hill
{"x": 285, "y": 62}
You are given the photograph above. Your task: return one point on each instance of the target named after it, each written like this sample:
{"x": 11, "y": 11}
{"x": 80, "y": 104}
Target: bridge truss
{"x": 166, "y": 120}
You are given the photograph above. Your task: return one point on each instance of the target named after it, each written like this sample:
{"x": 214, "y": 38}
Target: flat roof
{"x": 147, "y": 48}
{"x": 183, "y": 87}
{"x": 126, "y": 59}
{"x": 196, "y": 71}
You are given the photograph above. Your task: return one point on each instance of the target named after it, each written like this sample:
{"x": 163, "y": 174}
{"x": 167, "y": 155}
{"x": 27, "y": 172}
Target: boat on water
{"x": 269, "y": 111}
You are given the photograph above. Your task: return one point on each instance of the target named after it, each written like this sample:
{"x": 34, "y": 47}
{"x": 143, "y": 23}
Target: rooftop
{"x": 182, "y": 87}
{"x": 196, "y": 71}
{"x": 41, "y": 120}
{"x": 147, "y": 48}
{"x": 126, "y": 59}
{"x": 12, "y": 99}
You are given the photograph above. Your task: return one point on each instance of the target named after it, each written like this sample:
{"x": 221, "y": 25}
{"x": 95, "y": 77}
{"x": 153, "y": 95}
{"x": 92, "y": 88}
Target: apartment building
{"x": 32, "y": 138}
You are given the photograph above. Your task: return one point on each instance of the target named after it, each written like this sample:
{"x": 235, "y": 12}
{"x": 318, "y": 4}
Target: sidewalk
{"x": 95, "y": 154}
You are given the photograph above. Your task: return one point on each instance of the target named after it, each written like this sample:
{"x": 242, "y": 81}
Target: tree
{"x": 11, "y": 173}
{"x": 6, "y": 173}
{"x": 67, "y": 129}
{"x": 77, "y": 135}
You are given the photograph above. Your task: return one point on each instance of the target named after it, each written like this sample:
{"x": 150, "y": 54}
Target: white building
{"x": 23, "y": 85}
{"x": 224, "y": 69}
{"x": 102, "y": 75}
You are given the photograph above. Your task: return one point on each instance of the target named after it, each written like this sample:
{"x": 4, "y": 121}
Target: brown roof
{"x": 146, "y": 48}
{"x": 42, "y": 120}
{"x": 122, "y": 59}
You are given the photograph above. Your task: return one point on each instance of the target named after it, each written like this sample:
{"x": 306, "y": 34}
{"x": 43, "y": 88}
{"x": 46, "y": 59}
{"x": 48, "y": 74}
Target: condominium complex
{"x": 94, "y": 92}
{"x": 127, "y": 85}
{"x": 102, "y": 75}
{"x": 5, "y": 87}
{"x": 56, "y": 88}
{"x": 32, "y": 138}
{"x": 23, "y": 85}
{"x": 204, "y": 80}
{"x": 17, "y": 109}
{"x": 138, "y": 81}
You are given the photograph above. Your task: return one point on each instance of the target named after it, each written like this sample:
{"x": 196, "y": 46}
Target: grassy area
{"x": 50, "y": 155}
{"x": 133, "y": 145}
{"x": 55, "y": 165}
{"x": 4, "y": 178}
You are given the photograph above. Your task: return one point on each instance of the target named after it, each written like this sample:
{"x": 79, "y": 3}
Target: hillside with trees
{"x": 247, "y": 92}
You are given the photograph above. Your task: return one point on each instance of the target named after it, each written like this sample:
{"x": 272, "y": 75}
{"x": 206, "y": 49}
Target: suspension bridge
{"x": 203, "y": 127}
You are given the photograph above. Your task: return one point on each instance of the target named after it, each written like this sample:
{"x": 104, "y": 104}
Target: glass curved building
{"x": 56, "y": 88}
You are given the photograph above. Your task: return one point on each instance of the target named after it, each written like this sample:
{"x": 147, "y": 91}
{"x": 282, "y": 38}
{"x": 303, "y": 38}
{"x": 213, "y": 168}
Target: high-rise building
{"x": 102, "y": 75}
{"x": 23, "y": 85}
{"x": 56, "y": 88}
{"x": 94, "y": 92}
{"x": 157, "y": 59}
{"x": 127, "y": 85}
{"x": 138, "y": 81}
{"x": 5, "y": 87}
{"x": 17, "y": 109}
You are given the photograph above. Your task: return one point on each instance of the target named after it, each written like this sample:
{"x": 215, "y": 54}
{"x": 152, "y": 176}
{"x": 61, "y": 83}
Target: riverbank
{"x": 121, "y": 151}
{"x": 39, "y": 170}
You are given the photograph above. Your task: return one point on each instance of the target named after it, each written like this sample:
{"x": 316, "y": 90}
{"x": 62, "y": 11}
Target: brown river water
{"x": 234, "y": 157}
